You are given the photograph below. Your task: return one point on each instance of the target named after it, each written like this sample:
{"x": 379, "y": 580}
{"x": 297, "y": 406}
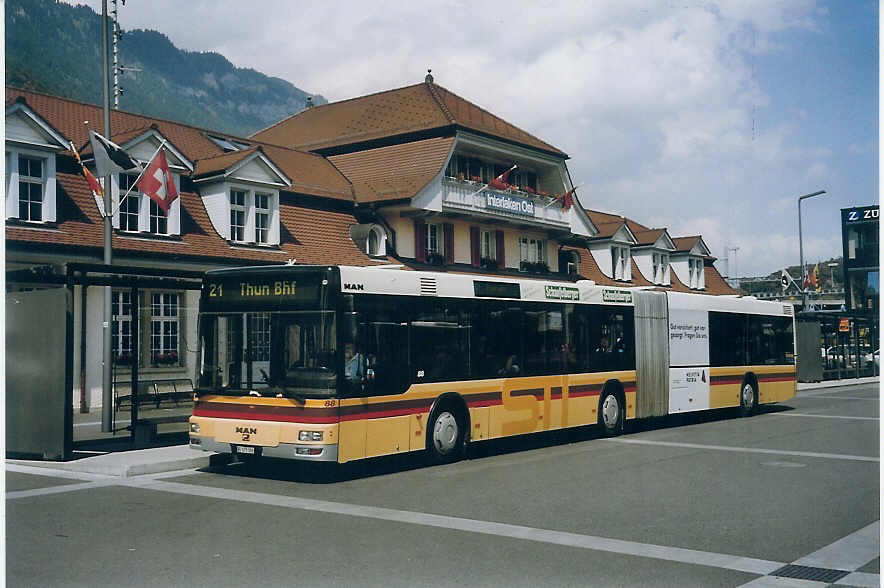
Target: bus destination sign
{"x": 249, "y": 289}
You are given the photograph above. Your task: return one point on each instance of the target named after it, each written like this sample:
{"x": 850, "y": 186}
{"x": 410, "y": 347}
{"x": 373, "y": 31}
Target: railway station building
{"x": 411, "y": 178}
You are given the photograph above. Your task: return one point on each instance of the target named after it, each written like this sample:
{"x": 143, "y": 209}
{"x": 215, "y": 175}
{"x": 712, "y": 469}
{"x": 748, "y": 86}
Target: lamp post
{"x": 801, "y": 249}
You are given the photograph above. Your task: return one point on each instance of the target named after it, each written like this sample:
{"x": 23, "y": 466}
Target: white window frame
{"x": 381, "y": 237}
{"x": 237, "y": 230}
{"x": 488, "y": 245}
{"x": 252, "y": 234}
{"x": 620, "y": 266}
{"x": 262, "y": 211}
{"x": 532, "y": 250}
{"x": 165, "y": 310}
{"x": 695, "y": 274}
{"x": 148, "y": 212}
{"x": 435, "y": 239}
{"x": 48, "y": 210}
{"x": 122, "y": 317}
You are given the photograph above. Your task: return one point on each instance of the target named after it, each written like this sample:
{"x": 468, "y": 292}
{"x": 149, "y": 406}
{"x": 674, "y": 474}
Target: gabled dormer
{"x": 652, "y": 253}
{"x": 134, "y": 213}
{"x": 688, "y": 260}
{"x": 611, "y": 247}
{"x": 31, "y": 148}
{"x": 240, "y": 191}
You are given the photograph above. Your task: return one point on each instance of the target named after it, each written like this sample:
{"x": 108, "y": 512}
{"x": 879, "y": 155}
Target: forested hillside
{"x": 56, "y": 48}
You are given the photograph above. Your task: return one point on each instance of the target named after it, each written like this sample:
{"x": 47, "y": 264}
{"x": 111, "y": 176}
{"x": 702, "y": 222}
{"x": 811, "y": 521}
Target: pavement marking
{"x": 862, "y": 579}
{"x": 827, "y": 416}
{"x": 745, "y": 449}
{"x": 778, "y": 582}
{"x": 55, "y": 472}
{"x": 848, "y": 553}
{"x": 674, "y": 554}
{"x": 815, "y": 396}
{"x": 59, "y": 489}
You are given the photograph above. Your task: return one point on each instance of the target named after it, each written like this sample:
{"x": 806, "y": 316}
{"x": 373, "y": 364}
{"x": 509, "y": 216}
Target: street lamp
{"x": 801, "y": 249}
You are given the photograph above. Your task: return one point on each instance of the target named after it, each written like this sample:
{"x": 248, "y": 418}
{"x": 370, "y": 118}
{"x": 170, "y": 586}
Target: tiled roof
{"x": 412, "y": 109}
{"x": 310, "y": 173}
{"x": 685, "y": 243}
{"x": 212, "y": 165}
{"x": 607, "y": 229}
{"x": 648, "y": 237}
{"x": 396, "y": 171}
{"x": 308, "y": 235}
{"x": 715, "y": 284}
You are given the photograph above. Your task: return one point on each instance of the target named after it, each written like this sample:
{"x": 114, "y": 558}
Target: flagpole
{"x": 106, "y": 383}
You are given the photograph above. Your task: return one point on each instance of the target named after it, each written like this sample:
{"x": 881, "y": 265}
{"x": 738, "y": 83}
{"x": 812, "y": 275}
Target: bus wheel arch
{"x": 612, "y": 408}
{"x": 749, "y": 395}
{"x": 448, "y": 428}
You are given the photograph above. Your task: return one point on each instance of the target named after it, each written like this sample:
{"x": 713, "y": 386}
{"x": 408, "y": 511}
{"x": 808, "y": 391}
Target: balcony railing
{"x": 476, "y": 197}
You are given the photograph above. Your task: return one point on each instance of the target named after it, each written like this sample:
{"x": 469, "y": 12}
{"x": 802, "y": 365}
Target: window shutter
{"x": 500, "y": 249}
{"x": 475, "y": 257}
{"x": 448, "y": 235}
{"x": 420, "y": 240}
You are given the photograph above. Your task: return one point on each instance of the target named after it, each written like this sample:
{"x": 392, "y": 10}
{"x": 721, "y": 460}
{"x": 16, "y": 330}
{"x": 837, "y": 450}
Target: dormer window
{"x": 253, "y": 216}
{"x": 620, "y": 263}
{"x": 30, "y": 193}
{"x": 139, "y": 214}
{"x": 660, "y": 268}
{"x": 30, "y": 188}
{"x": 237, "y": 215}
{"x": 228, "y": 145}
{"x": 695, "y": 274}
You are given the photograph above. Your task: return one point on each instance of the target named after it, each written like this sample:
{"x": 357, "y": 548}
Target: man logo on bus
{"x": 354, "y": 286}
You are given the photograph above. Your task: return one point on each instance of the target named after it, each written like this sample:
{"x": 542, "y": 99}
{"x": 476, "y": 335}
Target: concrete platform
{"x": 134, "y": 463}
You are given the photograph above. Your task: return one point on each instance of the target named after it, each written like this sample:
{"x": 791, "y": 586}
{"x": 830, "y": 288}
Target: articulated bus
{"x": 334, "y": 363}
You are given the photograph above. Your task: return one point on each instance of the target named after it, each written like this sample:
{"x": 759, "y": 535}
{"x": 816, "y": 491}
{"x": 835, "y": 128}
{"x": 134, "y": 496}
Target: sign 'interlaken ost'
{"x": 509, "y": 203}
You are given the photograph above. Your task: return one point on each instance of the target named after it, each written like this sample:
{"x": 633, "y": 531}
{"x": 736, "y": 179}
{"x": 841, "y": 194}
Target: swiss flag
{"x": 158, "y": 183}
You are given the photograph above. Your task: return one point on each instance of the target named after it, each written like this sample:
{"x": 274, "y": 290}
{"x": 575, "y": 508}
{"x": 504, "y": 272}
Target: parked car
{"x": 873, "y": 357}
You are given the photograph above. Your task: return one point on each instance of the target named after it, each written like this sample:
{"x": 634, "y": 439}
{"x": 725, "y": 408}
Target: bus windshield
{"x": 282, "y": 354}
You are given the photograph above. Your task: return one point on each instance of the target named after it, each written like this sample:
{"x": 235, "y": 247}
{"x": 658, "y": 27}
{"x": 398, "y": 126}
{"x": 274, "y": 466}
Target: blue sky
{"x": 702, "y": 116}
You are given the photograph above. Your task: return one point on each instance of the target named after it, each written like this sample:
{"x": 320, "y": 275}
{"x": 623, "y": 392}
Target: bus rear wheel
{"x": 748, "y": 399}
{"x": 445, "y": 435}
{"x": 611, "y": 413}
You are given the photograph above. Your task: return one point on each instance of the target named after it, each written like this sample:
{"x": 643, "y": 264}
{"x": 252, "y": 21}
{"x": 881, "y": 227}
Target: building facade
{"x": 415, "y": 177}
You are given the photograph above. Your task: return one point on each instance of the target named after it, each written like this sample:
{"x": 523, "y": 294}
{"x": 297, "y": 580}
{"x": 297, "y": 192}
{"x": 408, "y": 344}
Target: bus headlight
{"x": 194, "y": 427}
{"x": 310, "y": 436}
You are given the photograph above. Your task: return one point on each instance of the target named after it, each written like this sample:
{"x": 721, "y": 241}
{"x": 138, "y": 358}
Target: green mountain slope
{"x": 56, "y": 48}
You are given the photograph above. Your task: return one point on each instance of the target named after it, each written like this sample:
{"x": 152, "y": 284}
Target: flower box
{"x": 435, "y": 258}
{"x": 488, "y": 263}
{"x": 169, "y": 358}
{"x": 534, "y": 267}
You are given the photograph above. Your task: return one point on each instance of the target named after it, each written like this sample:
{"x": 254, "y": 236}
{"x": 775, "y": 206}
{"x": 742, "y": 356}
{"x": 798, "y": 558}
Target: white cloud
{"x": 657, "y": 105}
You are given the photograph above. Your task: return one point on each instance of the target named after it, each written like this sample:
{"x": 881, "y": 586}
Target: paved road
{"x": 718, "y": 501}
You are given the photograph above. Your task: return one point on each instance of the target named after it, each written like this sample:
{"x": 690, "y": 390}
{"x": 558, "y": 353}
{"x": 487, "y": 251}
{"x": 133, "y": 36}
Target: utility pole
{"x": 107, "y": 401}
{"x": 801, "y": 249}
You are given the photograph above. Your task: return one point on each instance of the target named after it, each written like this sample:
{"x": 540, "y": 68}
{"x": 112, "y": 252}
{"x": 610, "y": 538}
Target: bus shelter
{"x": 837, "y": 345}
{"x": 41, "y": 308}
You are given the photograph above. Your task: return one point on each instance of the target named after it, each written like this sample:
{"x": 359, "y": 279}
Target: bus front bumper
{"x": 311, "y": 452}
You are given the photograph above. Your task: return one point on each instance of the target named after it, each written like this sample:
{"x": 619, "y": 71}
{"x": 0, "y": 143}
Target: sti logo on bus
{"x": 354, "y": 287}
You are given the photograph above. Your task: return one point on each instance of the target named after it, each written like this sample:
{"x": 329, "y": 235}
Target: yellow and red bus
{"x": 336, "y": 363}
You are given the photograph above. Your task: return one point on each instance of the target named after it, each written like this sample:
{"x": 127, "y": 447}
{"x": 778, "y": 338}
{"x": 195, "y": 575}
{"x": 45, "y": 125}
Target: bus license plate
{"x": 245, "y": 449}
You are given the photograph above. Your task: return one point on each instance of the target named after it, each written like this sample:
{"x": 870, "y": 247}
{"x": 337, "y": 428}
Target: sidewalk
{"x": 126, "y": 464}
{"x": 836, "y": 383}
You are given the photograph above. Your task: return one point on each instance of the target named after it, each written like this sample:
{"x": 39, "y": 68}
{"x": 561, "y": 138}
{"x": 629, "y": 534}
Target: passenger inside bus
{"x": 511, "y": 367}
{"x": 354, "y": 363}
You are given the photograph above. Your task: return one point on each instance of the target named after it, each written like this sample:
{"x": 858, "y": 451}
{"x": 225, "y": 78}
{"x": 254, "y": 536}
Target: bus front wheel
{"x": 445, "y": 435}
{"x": 748, "y": 398}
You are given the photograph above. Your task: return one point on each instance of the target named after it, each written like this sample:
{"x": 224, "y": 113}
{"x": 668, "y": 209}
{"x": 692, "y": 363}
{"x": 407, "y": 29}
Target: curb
{"x": 129, "y": 464}
{"x": 804, "y": 386}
